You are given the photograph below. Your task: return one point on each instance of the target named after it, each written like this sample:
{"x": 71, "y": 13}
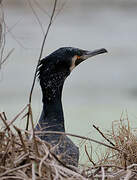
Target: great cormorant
{"x": 52, "y": 72}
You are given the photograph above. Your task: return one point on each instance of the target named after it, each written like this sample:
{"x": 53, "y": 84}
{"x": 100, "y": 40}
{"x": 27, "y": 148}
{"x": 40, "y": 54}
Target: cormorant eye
{"x": 78, "y": 57}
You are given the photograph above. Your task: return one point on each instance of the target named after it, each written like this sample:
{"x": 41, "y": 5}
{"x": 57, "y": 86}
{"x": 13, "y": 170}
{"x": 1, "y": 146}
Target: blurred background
{"x": 98, "y": 90}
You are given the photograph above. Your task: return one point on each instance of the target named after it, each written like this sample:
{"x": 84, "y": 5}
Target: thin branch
{"x": 21, "y": 138}
{"x": 5, "y": 123}
{"x": 33, "y": 132}
{"x": 77, "y": 136}
{"x": 2, "y": 40}
{"x": 41, "y": 8}
{"x": 14, "y": 169}
{"x": 42, "y": 47}
{"x": 4, "y": 115}
{"x": 9, "y": 29}
{"x": 35, "y": 14}
{"x": 33, "y": 171}
{"x": 59, "y": 11}
{"x": 14, "y": 37}
{"x": 103, "y": 173}
{"x": 103, "y": 135}
{"x": 16, "y": 117}
{"x": 90, "y": 159}
{"x": 10, "y": 52}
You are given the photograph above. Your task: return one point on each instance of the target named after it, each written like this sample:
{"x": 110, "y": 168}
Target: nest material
{"x": 125, "y": 139}
{"x": 19, "y": 159}
{"x": 24, "y": 156}
{"x": 120, "y": 164}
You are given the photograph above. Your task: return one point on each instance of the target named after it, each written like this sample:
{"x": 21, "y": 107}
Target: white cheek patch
{"x": 73, "y": 63}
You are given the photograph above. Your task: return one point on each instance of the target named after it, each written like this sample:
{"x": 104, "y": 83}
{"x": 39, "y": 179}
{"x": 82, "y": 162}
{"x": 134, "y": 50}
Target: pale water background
{"x": 97, "y": 91}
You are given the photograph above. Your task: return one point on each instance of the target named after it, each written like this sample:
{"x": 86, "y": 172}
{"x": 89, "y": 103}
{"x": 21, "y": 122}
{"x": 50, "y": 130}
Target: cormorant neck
{"x": 52, "y": 118}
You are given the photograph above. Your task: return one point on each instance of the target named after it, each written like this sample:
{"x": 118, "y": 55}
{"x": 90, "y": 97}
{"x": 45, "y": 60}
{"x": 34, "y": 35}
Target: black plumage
{"x": 52, "y": 72}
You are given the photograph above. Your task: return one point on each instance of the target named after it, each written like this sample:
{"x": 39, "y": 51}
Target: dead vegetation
{"x": 2, "y": 35}
{"x": 125, "y": 139}
{"x": 23, "y": 157}
{"x": 120, "y": 164}
{"x": 3, "y": 56}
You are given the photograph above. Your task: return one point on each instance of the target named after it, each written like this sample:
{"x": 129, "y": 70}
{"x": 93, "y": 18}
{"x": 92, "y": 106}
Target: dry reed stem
{"x": 103, "y": 173}
{"x": 15, "y": 169}
{"x": 33, "y": 171}
{"x": 103, "y": 135}
{"x": 78, "y": 136}
{"x": 21, "y": 138}
{"x": 90, "y": 159}
{"x": 14, "y": 119}
{"x": 33, "y": 131}
{"x": 3, "y": 37}
{"x": 4, "y": 121}
{"x": 41, "y": 51}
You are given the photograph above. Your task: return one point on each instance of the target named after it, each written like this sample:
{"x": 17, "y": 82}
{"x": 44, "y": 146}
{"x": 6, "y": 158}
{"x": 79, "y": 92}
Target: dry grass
{"x": 125, "y": 139}
{"x": 122, "y": 163}
{"x": 22, "y": 157}
{"x": 19, "y": 158}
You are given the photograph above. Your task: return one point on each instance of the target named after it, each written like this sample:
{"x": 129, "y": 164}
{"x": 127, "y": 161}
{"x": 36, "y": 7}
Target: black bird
{"x": 52, "y": 72}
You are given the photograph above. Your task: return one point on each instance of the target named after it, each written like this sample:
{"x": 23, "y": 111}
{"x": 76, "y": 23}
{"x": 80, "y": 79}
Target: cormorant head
{"x": 54, "y": 68}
